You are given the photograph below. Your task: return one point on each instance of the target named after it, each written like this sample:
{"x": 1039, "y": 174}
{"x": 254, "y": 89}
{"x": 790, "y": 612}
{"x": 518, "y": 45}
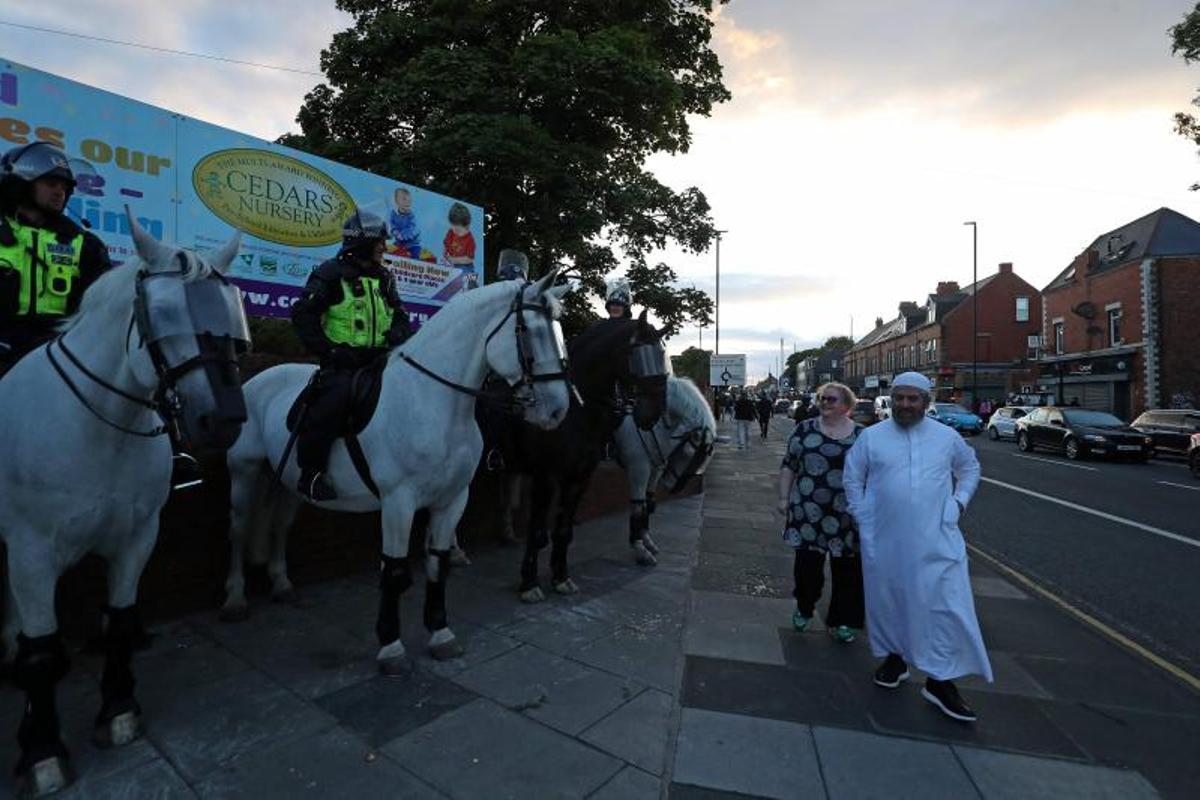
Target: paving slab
{"x": 384, "y": 708}
{"x": 637, "y": 732}
{"x": 630, "y": 784}
{"x": 1010, "y": 677}
{"x": 737, "y": 641}
{"x": 1004, "y": 776}
{"x": 866, "y": 765}
{"x": 737, "y": 753}
{"x": 151, "y": 780}
{"x": 646, "y": 656}
{"x": 483, "y": 750}
{"x": 560, "y": 630}
{"x": 982, "y": 586}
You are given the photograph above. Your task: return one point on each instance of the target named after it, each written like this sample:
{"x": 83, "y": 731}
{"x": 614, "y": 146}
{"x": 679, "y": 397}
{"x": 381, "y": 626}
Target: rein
{"x": 60, "y": 340}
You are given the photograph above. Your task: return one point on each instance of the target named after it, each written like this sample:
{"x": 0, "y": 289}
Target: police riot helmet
{"x": 362, "y": 229}
{"x": 513, "y": 265}
{"x": 617, "y": 292}
{"x": 460, "y": 215}
{"x": 29, "y": 162}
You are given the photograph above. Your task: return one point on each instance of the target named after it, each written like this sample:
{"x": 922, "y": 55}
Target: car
{"x": 883, "y": 407}
{"x": 1003, "y": 422}
{"x": 1081, "y": 432}
{"x": 1194, "y": 455}
{"x": 956, "y": 417}
{"x": 864, "y": 413}
{"x": 1170, "y": 428}
{"x": 782, "y": 406}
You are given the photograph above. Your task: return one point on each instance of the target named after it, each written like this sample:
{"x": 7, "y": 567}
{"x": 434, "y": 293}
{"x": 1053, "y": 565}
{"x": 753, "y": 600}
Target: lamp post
{"x": 974, "y": 312}
{"x": 717, "y": 342}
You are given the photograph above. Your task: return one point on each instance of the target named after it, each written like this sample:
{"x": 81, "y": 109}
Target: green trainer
{"x": 799, "y": 621}
{"x": 842, "y": 633}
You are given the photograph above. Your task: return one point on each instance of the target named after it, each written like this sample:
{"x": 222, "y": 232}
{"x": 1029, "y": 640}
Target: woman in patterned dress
{"x": 813, "y": 502}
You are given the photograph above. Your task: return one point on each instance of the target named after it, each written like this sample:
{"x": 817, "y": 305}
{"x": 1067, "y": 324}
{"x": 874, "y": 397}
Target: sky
{"x": 859, "y": 138}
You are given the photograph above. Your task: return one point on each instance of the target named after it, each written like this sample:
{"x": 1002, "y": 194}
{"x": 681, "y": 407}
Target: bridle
{"x": 698, "y": 437}
{"x": 529, "y": 375}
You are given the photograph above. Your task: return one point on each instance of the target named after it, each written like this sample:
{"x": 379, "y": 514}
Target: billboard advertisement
{"x": 193, "y": 183}
{"x": 727, "y": 370}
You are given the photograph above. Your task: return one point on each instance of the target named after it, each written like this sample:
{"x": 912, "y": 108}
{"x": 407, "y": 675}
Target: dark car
{"x": 864, "y": 413}
{"x": 1194, "y": 455}
{"x": 1081, "y": 432}
{"x": 1170, "y": 428}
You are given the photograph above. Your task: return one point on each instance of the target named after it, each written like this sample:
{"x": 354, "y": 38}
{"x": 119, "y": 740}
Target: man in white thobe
{"x": 907, "y": 481}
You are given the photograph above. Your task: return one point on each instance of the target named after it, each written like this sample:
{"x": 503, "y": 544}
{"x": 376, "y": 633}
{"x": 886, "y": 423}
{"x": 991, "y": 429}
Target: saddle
{"x": 365, "y": 385}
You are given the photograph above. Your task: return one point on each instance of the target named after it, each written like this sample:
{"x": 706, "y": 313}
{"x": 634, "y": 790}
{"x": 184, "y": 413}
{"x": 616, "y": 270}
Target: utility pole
{"x": 717, "y": 345}
{"x": 974, "y": 312}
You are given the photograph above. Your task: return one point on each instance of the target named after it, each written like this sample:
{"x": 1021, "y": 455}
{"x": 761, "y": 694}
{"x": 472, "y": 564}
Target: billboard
{"x": 727, "y": 370}
{"x": 192, "y": 183}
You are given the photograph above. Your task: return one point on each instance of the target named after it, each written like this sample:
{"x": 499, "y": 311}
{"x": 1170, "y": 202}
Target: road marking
{"x": 1088, "y": 619}
{"x": 1056, "y": 463}
{"x": 1102, "y": 514}
{"x": 1181, "y": 486}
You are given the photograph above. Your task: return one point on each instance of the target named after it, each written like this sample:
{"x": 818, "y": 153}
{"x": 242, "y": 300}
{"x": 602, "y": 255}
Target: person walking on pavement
{"x": 743, "y": 415}
{"x": 349, "y": 314}
{"x": 729, "y": 403}
{"x": 764, "y": 409}
{"x": 908, "y": 480}
{"x": 818, "y": 521}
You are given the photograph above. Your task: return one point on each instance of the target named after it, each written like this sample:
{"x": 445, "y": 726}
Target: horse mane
{"x": 695, "y": 410}
{"x": 117, "y": 284}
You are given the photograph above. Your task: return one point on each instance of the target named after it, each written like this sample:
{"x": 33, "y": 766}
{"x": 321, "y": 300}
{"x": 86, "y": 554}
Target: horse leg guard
{"x": 40, "y": 664}
{"x": 639, "y": 535}
{"x": 394, "y": 580}
{"x": 120, "y": 719}
{"x": 564, "y": 534}
{"x": 534, "y": 543}
{"x": 442, "y": 643}
{"x": 651, "y": 506}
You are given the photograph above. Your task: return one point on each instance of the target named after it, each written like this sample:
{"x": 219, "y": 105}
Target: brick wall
{"x": 1179, "y": 323}
{"x": 1001, "y": 338}
{"x": 1120, "y": 285}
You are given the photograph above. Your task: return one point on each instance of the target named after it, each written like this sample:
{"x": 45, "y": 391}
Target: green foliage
{"x": 275, "y": 336}
{"x": 692, "y": 363}
{"x": 541, "y": 111}
{"x": 837, "y": 344}
{"x": 1185, "y": 42}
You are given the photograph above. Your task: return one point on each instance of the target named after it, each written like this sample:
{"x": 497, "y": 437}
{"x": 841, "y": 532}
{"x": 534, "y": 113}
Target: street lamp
{"x": 717, "y": 344}
{"x": 974, "y": 312}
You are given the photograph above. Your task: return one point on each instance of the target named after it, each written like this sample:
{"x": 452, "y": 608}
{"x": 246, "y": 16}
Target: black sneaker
{"x": 314, "y": 486}
{"x": 891, "y": 672}
{"x": 943, "y": 695}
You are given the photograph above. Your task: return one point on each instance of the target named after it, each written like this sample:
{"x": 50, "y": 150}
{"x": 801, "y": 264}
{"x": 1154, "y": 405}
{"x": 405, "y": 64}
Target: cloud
{"x": 766, "y": 287}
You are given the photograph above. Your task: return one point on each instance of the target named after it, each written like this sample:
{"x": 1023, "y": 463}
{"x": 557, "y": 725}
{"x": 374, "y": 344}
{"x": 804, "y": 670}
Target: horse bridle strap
{"x": 61, "y": 342}
{"x": 478, "y": 394}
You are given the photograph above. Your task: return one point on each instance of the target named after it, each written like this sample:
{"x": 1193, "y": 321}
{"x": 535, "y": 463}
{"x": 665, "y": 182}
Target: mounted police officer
{"x": 512, "y": 265}
{"x": 46, "y": 260}
{"x": 350, "y": 314}
{"x": 618, "y": 299}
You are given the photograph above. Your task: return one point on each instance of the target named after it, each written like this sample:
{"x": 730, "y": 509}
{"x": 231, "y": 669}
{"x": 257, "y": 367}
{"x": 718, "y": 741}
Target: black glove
{"x": 341, "y": 357}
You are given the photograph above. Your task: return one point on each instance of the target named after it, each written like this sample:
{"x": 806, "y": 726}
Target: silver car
{"x": 1003, "y": 423}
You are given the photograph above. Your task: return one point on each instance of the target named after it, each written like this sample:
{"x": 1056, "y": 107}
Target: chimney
{"x": 1006, "y": 268}
{"x": 908, "y": 309}
{"x": 947, "y": 287}
{"x": 879, "y": 322}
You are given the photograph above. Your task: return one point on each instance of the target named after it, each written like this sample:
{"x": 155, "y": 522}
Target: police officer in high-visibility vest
{"x": 46, "y": 260}
{"x": 349, "y": 314}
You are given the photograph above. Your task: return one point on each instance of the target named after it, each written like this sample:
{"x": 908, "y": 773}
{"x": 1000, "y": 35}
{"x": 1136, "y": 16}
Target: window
{"x": 1022, "y": 309}
{"x": 1038, "y": 415}
{"x": 1058, "y": 338}
{"x": 833, "y": 363}
{"x": 1114, "y": 326}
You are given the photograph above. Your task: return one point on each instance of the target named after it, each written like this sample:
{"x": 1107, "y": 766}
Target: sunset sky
{"x": 860, "y": 135}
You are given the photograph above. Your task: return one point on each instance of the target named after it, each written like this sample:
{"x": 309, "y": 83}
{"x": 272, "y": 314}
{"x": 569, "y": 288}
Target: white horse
{"x": 674, "y": 450}
{"x": 86, "y": 469}
{"x": 422, "y": 445}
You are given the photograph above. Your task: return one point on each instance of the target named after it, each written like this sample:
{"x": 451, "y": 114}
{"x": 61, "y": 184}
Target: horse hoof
{"x": 566, "y": 587}
{"x": 118, "y": 731}
{"x": 47, "y": 776}
{"x": 396, "y": 666}
{"x": 288, "y": 595}
{"x": 644, "y": 557}
{"x": 458, "y": 558}
{"x": 234, "y": 613}
{"x": 534, "y": 595}
{"x": 447, "y": 650}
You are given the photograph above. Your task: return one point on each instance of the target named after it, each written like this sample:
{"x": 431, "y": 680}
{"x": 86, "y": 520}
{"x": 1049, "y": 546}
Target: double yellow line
{"x": 1086, "y": 618}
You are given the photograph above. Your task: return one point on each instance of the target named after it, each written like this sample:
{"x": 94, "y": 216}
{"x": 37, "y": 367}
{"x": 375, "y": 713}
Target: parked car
{"x": 864, "y": 413}
{"x": 1081, "y": 432}
{"x": 1194, "y": 455}
{"x": 1170, "y": 428}
{"x": 782, "y": 406}
{"x": 1003, "y": 422}
{"x": 883, "y": 407}
{"x": 956, "y": 417}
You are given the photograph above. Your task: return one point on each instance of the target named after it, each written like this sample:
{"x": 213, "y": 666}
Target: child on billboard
{"x": 458, "y": 248}
{"x": 402, "y": 222}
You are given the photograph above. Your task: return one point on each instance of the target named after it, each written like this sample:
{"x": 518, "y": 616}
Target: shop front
{"x": 1102, "y": 383}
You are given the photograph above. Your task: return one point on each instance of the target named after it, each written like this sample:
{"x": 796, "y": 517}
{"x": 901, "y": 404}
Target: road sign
{"x": 727, "y": 370}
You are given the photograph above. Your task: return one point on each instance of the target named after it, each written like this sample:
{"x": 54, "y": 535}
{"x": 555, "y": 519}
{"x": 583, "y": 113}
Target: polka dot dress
{"x": 818, "y": 518}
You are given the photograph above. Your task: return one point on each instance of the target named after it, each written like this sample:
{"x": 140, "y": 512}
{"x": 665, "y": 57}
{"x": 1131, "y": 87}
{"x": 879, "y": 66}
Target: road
{"x": 1137, "y": 568}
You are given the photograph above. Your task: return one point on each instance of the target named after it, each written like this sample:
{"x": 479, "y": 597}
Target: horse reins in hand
{"x": 60, "y": 340}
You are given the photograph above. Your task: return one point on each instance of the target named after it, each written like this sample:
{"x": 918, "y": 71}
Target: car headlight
{"x": 1149, "y": 440}
{"x": 1094, "y": 437}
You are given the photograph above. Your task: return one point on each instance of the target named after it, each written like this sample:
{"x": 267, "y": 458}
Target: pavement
{"x": 684, "y": 680}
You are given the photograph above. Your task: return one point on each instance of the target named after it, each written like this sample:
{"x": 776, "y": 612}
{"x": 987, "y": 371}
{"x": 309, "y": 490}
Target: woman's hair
{"x": 847, "y": 394}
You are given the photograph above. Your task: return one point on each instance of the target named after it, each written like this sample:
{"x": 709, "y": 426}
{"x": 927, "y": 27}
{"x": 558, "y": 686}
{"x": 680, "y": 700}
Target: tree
{"x": 1185, "y": 41}
{"x": 542, "y": 111}
{"x": 692, "y": 363}
{"x": 837, "y": 344}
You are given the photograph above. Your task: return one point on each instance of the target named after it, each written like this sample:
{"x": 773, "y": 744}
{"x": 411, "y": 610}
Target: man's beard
{"x": 906, "y": 418}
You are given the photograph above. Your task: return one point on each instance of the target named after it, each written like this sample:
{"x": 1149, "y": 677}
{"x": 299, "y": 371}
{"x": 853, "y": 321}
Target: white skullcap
{"x": 913, "y": 379}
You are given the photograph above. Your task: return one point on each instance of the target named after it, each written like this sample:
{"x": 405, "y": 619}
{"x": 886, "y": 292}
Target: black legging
{"x": 763, "y": 422}
{"x": 846, "y": 596}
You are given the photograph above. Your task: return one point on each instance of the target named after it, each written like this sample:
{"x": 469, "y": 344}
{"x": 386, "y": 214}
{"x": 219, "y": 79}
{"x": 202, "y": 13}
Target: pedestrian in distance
{"x": 908, "y": 480}
{"x": 763, "y": 408}
{"x": 729, "y": 402}
{"x": 743, "y": 415}
{"x": 812, "y": 501}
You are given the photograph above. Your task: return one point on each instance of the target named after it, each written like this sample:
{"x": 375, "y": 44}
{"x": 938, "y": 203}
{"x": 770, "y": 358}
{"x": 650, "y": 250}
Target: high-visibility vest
{"x": 48, "y": 268}
{"x": 359, "y": 321}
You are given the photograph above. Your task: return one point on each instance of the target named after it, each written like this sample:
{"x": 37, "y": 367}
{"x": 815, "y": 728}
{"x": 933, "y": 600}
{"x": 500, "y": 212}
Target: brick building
{"x": 817, "y": 369}
{"x": 1120, "y": 322}
{"x": 934, "y": 338}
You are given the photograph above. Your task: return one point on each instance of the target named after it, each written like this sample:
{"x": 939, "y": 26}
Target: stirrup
{"x": 316, "y": 489}
{"x": 186, "y": 470}
{"x": 494, "y": 461}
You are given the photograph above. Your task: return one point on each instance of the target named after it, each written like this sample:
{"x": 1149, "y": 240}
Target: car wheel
{"x": 1023, "y": 443}
{"x": 1072, "y": 449}
{"x": 993, "y": 434}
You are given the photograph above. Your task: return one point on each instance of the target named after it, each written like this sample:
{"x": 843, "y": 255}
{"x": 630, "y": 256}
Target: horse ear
{"x": 545, "y": 282}
{"x": 224, "y": 257}
{"x": 152, "y": 252}
{"x": 559, "y": 292}
{"x": 642, "y": 316}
